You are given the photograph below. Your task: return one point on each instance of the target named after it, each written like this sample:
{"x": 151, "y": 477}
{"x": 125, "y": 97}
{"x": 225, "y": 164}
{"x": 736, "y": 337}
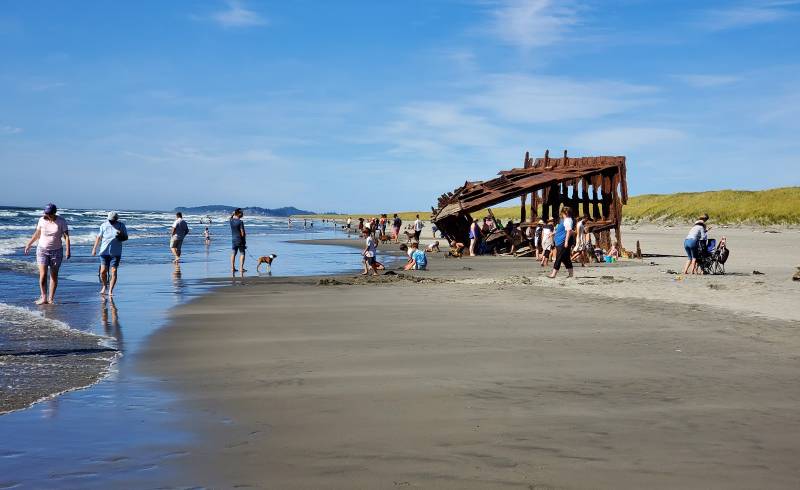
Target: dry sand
{"x": 482, "y": 374}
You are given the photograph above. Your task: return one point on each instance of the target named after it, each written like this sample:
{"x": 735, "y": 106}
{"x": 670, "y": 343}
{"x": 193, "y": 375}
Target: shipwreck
{"x": 592, "y": 186}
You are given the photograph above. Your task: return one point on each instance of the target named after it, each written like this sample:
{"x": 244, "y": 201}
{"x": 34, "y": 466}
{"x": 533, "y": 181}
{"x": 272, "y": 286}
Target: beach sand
{"x": 480, "y": 373}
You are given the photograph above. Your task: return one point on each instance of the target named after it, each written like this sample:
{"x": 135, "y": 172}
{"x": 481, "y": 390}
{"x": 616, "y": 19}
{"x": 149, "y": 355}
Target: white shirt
{"x": 569, "y": 224}
{"x": 417, "y": 225}
{"x": 371, "y": 247}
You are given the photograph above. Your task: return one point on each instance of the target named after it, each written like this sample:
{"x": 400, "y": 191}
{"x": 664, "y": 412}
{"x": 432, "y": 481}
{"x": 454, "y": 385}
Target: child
{"x": 614, "y": 252}
{"x": 433, "y": 247}
{"x": 370, "y": 250}
{"x": 547, "y": 242}
{"x": 418, "y": 260}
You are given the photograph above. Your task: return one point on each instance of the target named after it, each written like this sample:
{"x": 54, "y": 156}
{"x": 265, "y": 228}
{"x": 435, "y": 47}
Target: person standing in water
{"x": 110, "y": 237}
{"x": 178, "y": 232}
{"x": 238, "y": 239}
{"x": 49, "y": 252}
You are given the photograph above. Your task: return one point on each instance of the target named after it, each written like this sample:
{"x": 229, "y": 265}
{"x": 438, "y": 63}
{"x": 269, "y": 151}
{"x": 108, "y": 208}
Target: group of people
{"x": 52, "y": 235}
{"x": 377, "y": 226}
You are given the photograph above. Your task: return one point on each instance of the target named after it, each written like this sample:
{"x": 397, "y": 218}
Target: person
{"x": 691, "y": 244}
{"x": 547, "y": 242}
{"x": 537, "y": 237}
{"x": 207, "y": 236}
{"x": 530, "y": 237}
{"x": 396, "y": 224}
{"x": 178, "y": 232}
{"x": 563, "y": 241}
{"x": 581, "y": 249}
{"x": 50, "y": 252}
{"x": 360, "y": 225}
{"x": 238, "y": 239}
{"x": 369, "y": 253}
{"x": 433, "y": 247}
{"x": 417, "y": 258}
{"x": 289, "y": 222}
{"x": 418, "y": 226}
{"x": 474, "y": 238}
{"x": 383, "y": 225}
{"x": 434, "y": 229}
{"x": 456, "y": 248}
{"x": 110, "y": 237}
{"x": 614, "y": 251}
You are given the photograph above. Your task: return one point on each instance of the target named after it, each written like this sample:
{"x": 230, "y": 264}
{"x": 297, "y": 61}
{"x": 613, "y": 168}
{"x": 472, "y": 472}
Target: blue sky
{"x": 369, "y": 105}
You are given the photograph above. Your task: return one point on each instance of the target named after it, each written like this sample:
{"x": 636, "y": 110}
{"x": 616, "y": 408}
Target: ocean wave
{"x": 19, "y": 266}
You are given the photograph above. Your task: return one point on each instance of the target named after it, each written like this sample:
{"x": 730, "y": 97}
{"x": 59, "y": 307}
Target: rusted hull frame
{"x": 592, "y": 186}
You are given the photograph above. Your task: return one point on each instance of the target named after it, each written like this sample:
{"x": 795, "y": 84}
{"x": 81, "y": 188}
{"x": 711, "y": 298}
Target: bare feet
{"x": 103, "y": 291}
{"x": 41, "y": 301}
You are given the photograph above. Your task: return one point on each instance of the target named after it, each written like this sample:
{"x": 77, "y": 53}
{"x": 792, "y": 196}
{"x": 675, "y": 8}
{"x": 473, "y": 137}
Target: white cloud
{"x": 237, "y": 15}
{"x": 619, "y": 140}
{"x": 705, "y": 81}
{"x": 10, "y": 130}
{"x": 748, "y": 14}
{"x": 538, "y": 99}
{"x": 532, "y": 23}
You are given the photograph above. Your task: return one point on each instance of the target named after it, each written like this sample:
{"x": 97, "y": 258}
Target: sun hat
{"x": 50, "y": 209}
{"x": 113, "y": 215}
{"x": 541, "y": 222}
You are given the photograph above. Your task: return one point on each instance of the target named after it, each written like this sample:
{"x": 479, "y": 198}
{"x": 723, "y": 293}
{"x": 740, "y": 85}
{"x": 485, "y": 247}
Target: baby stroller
{"x": 712, "y": 256}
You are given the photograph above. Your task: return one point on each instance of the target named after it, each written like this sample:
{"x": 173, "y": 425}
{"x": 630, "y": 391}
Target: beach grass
{"x": 767, "y": 207}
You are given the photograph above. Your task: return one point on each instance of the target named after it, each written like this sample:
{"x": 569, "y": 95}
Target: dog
{"x": 266, "y": 259}
{"x": 409, "y": 236}
{"x": 384, "y": 238}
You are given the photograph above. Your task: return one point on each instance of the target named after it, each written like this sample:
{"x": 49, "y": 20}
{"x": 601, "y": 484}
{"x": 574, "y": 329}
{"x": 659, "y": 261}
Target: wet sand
{"x": 477, "y": 374}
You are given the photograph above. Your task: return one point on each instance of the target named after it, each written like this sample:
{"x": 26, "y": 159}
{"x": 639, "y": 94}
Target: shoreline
{"x": 409, "y": 379}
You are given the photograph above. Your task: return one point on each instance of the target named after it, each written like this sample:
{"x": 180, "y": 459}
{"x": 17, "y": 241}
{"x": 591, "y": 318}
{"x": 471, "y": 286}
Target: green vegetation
{"x": 769, "y": 207}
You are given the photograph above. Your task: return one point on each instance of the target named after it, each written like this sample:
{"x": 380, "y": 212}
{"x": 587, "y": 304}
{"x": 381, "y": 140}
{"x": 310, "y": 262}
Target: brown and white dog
{"x": 266, "y": 259}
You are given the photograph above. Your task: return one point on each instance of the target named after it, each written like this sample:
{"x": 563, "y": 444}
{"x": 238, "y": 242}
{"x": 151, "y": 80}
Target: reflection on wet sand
{"x": 112, "y": 328}
{"x": 177, "y": 282}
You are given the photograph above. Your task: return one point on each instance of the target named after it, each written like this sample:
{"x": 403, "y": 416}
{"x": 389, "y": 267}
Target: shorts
{"x": 238, "y": 248}
{"x": 110, "y": 260}
{"x": 691, "y": 248}
{"x": 176, "y": 243}
{"x": 51, "y": 258}
{"x": 369, "y": 260}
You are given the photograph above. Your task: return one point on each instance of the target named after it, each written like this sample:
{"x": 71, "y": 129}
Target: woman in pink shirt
{"x": 49, "y": 251}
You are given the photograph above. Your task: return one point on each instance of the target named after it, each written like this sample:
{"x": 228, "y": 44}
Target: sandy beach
{"x": 481, "y": 373}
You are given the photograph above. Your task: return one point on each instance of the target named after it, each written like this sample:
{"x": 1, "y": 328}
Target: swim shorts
{"x": 176, "y": 243}
{"x": 236, "y": 247}
{"x": 110, "y": 260}
{"x": 50, "y": 258}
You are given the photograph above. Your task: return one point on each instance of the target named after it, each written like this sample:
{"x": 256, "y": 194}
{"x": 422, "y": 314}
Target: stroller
{"x": 713, "y": 256}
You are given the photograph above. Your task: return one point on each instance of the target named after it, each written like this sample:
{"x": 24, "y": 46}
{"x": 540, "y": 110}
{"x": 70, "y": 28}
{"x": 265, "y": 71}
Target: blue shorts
{"x": 110, "y": 260}
{"x": 691, "y": 248}
{"x": 238, "y": 247}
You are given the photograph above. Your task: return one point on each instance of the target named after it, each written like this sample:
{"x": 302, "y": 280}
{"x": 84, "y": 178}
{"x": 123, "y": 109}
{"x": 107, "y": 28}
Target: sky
{"x": 384, "y": 105}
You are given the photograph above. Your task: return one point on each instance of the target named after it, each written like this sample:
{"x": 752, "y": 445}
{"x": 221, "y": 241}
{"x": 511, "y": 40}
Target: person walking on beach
{"x": 691, "y": 244}
{"x": 563, "y": 238}
{"x": 474, "y": 238}
{"x": 238, "y": 239}
{"x": 207, "y": 236}
{"x": 418, "y": 226}
{"x": 178, "y": 232}
{"x": 547, "y": 243}
{"x": 110, "y": 237}
{"x": 396, "y": 224}
{"x": 369, "y": 253}
{"x": 50, "y": 229}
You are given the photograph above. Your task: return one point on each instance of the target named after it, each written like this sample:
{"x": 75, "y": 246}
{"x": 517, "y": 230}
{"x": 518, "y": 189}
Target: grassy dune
{"x": 769, "y": 207}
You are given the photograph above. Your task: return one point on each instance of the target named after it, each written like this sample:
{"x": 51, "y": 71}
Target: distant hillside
{"x": 769, "y": 207}
{"x": 253, "y": 210}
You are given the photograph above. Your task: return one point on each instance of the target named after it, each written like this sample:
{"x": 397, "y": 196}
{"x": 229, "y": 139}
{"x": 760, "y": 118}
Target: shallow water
{"x": 115, "y": 430}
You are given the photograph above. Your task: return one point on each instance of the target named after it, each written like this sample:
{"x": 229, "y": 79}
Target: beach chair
{"x": 712, "y": 257}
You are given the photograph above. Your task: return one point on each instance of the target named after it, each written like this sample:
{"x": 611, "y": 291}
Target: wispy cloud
{"x": 238, "y": 15}
{"x": 44, "y": 86}
{"x": 539, "y": 99}
{"x": 748, "y": 14}
{"x": 707, "y": 80}
{"x": 619, "y": 140}
{"x": 10, "y": 130}
{"x": 532, "y": 23}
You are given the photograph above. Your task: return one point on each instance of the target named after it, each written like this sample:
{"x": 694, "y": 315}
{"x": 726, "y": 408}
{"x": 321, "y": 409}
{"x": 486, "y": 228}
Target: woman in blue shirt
{"x": 563, "y": 240}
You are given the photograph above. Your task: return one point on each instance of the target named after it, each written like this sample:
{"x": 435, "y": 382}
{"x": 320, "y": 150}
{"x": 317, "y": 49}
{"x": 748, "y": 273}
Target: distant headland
{"x": 251, "y": 210}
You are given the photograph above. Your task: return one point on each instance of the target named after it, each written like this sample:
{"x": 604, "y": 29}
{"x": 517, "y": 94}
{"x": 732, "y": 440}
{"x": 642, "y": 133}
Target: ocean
{"x": 66, "y": 380}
